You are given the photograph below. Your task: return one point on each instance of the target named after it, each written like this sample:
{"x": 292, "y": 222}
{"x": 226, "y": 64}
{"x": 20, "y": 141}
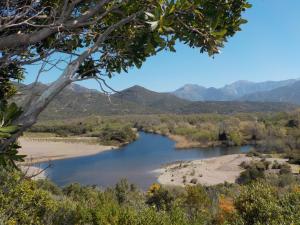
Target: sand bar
{"x": 210, "y": 171}
{"x": 39, "y": 150}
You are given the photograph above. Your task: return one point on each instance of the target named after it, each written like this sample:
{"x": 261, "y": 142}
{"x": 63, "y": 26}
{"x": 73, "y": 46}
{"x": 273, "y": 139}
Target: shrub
{"x": 275, "y": 165}
{"x": 254, "y": 153}
{"x": 253, "y": 171}
{"x": 258, "y": 204}
{"x": 117, "y": 135}
{"x": 226, "y": 210}
{"x": 294, "y": 157}
{"x": 197, "y": 202}
{"x": 160, "y": 197}
{"x": 285, "y": 168}
{"x": 22, "y": 202}
{"x": 48, "y": 185}
{"x": 236, "y": 137}
{"x": 126, "y": 193}
{"x": 293, "y": 123}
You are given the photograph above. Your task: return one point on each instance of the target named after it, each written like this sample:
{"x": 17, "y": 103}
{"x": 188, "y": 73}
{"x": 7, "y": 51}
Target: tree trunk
{"x": 30, "y": 115}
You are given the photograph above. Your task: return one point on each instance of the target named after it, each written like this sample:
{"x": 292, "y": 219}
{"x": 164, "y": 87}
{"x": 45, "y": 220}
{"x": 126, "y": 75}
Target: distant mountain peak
{"x": 136, "y": 87}
{"x": 229, "y": 92}
{"x": 80, "y": 89}
{"x": 190, "y": 92}
{"x": 192, "y": 86}
{"x": 240, "y": 82}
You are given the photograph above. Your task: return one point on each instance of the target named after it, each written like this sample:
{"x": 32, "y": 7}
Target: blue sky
{"x": 267, "y": 48}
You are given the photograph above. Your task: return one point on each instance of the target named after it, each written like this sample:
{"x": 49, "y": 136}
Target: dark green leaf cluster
{"x": 7, "y": 115}
{"x": 7, "y": 90}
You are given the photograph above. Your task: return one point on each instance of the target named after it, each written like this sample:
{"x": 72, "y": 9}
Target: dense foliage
{"x": 107, "y": 131}
{"x": 24, "y": 201}
{"x": 33, "y": 30}
{"x": 267, "y": 132}
{"x": 8, "y": 113}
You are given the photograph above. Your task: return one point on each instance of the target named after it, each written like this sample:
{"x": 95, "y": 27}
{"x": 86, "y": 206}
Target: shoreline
{"x": 42, "y": 150}
{"x": 209, "y": 171}
{"x": 181, "y": 142}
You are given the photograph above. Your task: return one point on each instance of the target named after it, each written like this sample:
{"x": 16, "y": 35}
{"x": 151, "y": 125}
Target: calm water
{"x": 134, "y": 162}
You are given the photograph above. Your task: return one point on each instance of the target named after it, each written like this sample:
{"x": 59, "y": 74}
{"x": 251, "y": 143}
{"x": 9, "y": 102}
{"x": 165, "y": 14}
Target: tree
{"x": 261, "y": 203}
{"x": 95, "y": 39}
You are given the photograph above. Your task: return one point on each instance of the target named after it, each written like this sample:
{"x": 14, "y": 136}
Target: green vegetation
{"x": 24, "y": 201}
{"x": 108, "y": 131}
{"x": 267, "y": 132}
{"x": 260, "y": 203}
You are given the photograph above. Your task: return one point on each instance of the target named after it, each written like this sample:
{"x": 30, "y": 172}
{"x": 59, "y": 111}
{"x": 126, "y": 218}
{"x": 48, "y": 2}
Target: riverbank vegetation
{"x": 269, "y": 132}
{"x": 261, "y": 201}
{"x": 108, "y": 132}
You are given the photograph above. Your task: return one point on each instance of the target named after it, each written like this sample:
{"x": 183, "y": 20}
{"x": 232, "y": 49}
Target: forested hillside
{"x": 77, "y": 101}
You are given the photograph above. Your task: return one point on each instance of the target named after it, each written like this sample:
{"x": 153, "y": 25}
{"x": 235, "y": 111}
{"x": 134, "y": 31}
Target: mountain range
{"x": 241, "y": 91}
{"x": 289, "y": 93}
{"x": 78, "y": 101}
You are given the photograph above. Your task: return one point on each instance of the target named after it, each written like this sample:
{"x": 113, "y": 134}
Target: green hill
{"x": 76, "y": 101}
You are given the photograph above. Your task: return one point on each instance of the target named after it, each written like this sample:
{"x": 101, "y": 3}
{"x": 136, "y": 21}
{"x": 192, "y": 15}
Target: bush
{"x": 22, "y": 202}
{"x": 236, "y": 137}
{"x": 197, "y": 202}
{"x": 126, "y": 193}
{"x": 276, "y": 165}
{"x": 294, "y": 158}
{"x": 254, "y": 171}
{"x": 254, "y": 153}
{"x": 258, "y": 204}
{"x": 160, "y": 197}
{"x": 117, "y": 135}
{"x": 285, "y": 168}
{"x": 49, "y": 186}
{"x": 293, "y": 123}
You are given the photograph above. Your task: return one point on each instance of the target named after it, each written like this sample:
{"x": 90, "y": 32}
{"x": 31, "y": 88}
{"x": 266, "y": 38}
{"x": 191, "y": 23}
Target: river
{"x": 135, "y": 161}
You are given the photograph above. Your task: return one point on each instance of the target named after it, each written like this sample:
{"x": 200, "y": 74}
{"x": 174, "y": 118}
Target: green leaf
{"x": 5, "y": 135}
{"x": 248, "y": 5}
{"x": 9, "y": 129}
{"x": 220, "y": 33}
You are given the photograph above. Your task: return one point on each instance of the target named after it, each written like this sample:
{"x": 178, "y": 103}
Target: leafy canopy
{"x": 70, "y": 26}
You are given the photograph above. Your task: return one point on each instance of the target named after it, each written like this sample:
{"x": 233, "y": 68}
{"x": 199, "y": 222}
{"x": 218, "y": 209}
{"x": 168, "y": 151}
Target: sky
{"x": 267, "y": 48}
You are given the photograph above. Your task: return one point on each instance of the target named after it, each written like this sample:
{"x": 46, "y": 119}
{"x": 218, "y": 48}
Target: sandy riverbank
{"x": 42, "y": 150}
{"x": 210, "y": 171}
